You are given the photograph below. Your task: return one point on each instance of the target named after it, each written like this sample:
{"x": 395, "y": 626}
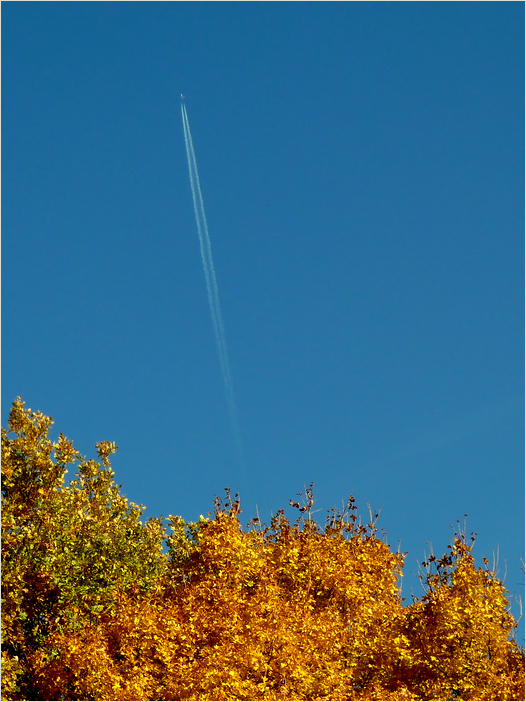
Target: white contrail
{"x": 206, "y": 252}
{"x": 211, "y": 282}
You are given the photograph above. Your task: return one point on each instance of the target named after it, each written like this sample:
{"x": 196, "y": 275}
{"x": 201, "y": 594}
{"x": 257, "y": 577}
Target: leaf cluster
{"x": 97, "y": 605}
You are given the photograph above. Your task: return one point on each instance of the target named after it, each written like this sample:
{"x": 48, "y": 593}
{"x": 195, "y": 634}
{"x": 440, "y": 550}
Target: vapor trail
{"x": 211, "y": 282}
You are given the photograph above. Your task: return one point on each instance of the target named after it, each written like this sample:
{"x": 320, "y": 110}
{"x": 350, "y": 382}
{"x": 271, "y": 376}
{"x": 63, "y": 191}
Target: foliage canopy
{"x": 97, "y": 605}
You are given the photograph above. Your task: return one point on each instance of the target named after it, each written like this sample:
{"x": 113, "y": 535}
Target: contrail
{"x": 211, "y": 282}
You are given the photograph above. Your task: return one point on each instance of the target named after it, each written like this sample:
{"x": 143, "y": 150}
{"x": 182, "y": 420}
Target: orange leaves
{"x": 274, "y": 614}
{"x": 94, "y": 609}
{"x": 460, "y": 632}
{"x": 104, "y": 451}
{"x": 67, "y": 551}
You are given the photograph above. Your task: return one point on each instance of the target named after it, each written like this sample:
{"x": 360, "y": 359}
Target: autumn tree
{"x": 95, "y": 608}
{"x": 68, "y": 551}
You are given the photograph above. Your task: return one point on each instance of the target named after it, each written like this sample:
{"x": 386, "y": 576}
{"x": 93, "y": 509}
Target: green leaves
{"x": 65, "y": 547}
{"x": 93, "y": 607}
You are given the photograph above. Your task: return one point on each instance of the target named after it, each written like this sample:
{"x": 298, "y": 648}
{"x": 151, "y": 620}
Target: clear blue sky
{"x": 362, "y": 172}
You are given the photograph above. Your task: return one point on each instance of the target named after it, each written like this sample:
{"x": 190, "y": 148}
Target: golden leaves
{"x": 104, "y": 451}
{"x": 94, "y": 609}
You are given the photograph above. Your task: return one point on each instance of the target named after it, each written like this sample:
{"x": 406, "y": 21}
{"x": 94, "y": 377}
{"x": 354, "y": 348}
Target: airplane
{"x": 182, "y": 96}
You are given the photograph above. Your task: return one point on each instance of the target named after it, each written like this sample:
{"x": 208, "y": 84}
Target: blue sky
{"x": 362, "y": 172}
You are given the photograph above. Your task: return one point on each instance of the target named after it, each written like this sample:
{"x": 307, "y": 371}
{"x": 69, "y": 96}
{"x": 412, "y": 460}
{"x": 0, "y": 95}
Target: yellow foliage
{"x": 285, "y": 612}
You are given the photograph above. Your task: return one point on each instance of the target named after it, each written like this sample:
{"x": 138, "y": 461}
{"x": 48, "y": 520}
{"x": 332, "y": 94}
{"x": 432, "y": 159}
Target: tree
{"x": 67, "y": 550}
{"x": 94, "y": 608}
